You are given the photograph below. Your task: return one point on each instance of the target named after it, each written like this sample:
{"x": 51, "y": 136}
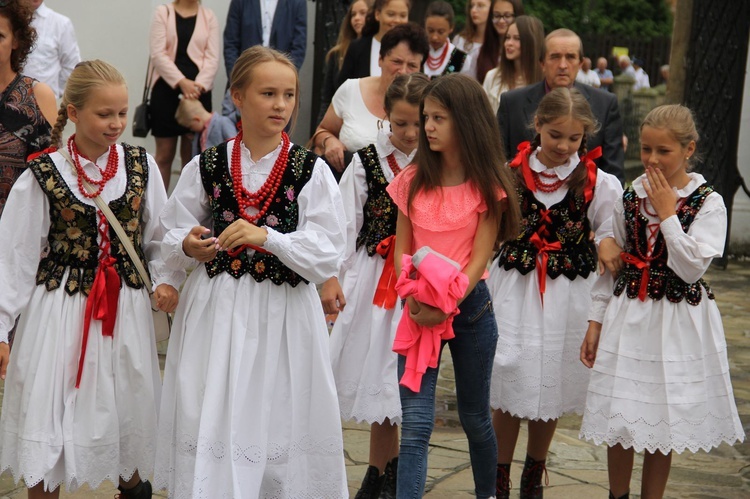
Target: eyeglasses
{"x": 497, "y": 17}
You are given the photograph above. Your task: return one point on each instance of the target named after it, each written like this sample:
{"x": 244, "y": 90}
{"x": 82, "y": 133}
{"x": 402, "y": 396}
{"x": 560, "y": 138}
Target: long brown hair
{"x": 492, "y": 47}
{"x": 346, "y": 34}
{"x": 531, "y": 31}
{"x": 478, "y": 134}
{"x": 565, "y": 102}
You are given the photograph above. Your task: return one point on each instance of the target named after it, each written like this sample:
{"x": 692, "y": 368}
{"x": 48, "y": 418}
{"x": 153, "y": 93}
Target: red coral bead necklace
{"x": 434, "y": 63}
{"x": 393, "y": 164}
{"x": 107, "y": 174}
{"x": 544, "y": 186}
{"x": 261, "y": 199}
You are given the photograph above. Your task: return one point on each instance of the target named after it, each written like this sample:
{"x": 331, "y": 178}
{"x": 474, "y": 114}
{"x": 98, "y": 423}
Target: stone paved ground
{"x": 576, "y": 469}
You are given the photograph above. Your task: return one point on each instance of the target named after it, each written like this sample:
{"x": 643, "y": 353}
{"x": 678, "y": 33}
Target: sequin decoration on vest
{"x": 380, "y": 213}
{"x": 72, "y": 238}
{"x": 646, "y": 273}
{"x": 282, "y": 214}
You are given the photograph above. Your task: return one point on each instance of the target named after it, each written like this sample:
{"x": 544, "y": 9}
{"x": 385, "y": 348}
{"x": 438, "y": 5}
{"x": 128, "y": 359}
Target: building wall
{"x": 117, "y": 31}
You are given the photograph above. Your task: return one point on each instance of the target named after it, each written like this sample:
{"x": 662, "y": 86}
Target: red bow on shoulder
{"x": 588, "y": 160}
{"x": 35, "y": 155}
{"x": 522, "y": 160}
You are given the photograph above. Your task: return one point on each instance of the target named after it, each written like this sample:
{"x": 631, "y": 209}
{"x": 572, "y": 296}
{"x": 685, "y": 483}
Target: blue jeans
{"x": 472, "y": 350}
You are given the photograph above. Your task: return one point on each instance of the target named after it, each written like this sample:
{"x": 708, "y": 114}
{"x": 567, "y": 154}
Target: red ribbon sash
{"x": 101, "y": 305}
{"x": 385, "y": 294}
{"x": 239, "y": 249}
{"x": 522, "y": 160}
{"x": 645, "y": 272}
{"x": 588, "y": 160}
{"x": 543, "y": 247}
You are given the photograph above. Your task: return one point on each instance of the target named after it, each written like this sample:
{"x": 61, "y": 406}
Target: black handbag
{"x": 142, "y": 114}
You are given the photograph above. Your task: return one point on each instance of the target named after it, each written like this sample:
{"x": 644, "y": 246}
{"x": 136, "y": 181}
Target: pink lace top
{"x": 445, "y": 219}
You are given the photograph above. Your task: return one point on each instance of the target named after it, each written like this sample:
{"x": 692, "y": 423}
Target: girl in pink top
{"x": 458, "y": 200}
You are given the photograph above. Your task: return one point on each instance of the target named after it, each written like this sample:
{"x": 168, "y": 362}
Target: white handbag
{"x": 162, "y": 320}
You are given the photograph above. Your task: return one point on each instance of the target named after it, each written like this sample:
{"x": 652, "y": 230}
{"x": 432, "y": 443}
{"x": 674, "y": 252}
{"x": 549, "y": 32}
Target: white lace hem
{"x": 369, "y": 404}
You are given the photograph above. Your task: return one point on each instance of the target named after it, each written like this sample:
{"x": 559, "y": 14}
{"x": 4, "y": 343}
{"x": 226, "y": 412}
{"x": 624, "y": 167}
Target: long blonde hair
{"x": 85, "y": 77}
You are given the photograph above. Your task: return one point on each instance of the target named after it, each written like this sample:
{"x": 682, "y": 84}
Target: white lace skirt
{"x": 537, "y": 373}
{"x": 661, "y": 378}
{"x": 52, "y": 432}
{"x": 364, "y": 363}
{"x": 249, "y": 406}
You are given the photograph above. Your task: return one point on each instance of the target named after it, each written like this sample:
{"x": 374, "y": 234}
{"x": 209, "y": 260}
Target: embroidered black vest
{"x": 456, "y": 61}
{"x": 72, "y": 238}
{"x": 565, "y": 222}
{"x": 662, "y": 280}
{"x": 380, "y": 213}
{"x": 282, "y": 214}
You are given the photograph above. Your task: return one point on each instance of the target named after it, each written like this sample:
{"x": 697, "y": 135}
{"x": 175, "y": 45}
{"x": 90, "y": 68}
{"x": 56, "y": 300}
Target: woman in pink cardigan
{"x": 184, "y": 44}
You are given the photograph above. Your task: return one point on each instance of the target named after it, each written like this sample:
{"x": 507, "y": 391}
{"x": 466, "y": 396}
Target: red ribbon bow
{"x": 385, "y": 294}
{"x": 588, "y": 160}
{"x": 522, "y": 160}
{"x": 101, "y": 305}
{"x": 645, "y": 272}
{"x": 35, "y": 155}
{"x": 543, "y": 247}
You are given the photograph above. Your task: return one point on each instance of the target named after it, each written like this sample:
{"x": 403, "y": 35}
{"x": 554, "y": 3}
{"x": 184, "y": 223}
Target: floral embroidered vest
{"x": 72, "y": 238}
{"x": 282, "y": 214}
{"x": 662, "y": 281}
{"x": 456, "y": 62}
{"x": 380, "y": 213}
{"x": 565, "y": 223}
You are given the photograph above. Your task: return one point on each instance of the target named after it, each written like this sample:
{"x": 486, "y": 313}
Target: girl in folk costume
{"x": 444, "y": 57}
{"x": 454, "y": 201}
{"x": 660, "y": 377}
{"x": 540, "y": 283}
{"x": 364, "y": 364}
{"x": 83, "y": 382}
{"x": 250, "y": 406}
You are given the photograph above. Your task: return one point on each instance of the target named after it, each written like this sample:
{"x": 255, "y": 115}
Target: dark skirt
{"x": 164, "y": 101}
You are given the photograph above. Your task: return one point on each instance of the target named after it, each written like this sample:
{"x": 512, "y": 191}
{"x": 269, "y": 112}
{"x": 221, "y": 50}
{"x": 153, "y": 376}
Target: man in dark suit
{"x": 561, "y": 59}
{"x": 281, "y": 25}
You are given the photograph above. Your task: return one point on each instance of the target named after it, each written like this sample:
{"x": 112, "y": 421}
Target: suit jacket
{"x": 244, "y": 29}
{"x": 518, "y": 106}
{"x": 356, "y": 61}
{"x": 203, "y": 48}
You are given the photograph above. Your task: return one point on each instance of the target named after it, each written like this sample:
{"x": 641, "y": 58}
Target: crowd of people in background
{"x": 463, "y": 191}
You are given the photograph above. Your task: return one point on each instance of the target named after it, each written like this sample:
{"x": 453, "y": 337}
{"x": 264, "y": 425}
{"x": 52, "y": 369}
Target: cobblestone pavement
{"x": 576, "y": 469}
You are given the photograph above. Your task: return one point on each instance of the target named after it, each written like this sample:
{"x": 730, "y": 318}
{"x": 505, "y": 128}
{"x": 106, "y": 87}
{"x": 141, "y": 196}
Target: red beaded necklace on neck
{"x": 107, "y": 174}
{"x": 393, "y": 164}
{"x": 434, "y": 63}
{"x": 261, "y": 199}
{"x": 545, "y": 187}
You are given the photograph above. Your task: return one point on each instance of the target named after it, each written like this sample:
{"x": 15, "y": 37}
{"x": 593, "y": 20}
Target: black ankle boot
{"x": 391, "y": 474}
{"x": 531, "y": 479}
{"x": 624, "y": 496}
{"x": 140, "y": 491}
{"x": 372, "y": 484}
{"x": 502, "y": 483}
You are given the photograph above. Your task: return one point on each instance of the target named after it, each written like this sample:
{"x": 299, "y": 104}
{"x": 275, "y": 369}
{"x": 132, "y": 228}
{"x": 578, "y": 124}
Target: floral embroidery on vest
{"x": 662, "y": 280}
{"x": 456, "y": 61}
{"x": 380, "y": 213}
{"x": 72, "y": 239}
{"x": 282, "y": 214}
{"x": 565, "y": 222}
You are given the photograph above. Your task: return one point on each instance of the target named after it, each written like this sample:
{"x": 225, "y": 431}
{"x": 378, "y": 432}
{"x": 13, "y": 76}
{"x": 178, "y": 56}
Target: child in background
{"x": 655, "y": 345}
{"x": 211, "y": 129}
{"x": 250, "y": 406}
{"x": 364, "y": 365}
{"x": 458, "y": 200}
{"x": 470, "y": 39}
{"x": 541, "y": 283}
{"x": 83, "y": 384}
{"x": 444, "y": 57}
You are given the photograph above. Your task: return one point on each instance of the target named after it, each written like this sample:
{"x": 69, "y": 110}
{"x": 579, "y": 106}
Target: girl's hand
{"x": 609, "y": 256}
{"x": 334, "y": 153}
{"x": 663, "y": 198}
{"x": 189, "y": 89}
{"x": 203, "y": 250}
{"x": 332, "y": 296}
{"x": 4, "y": 357}
{"x": 241, "y": 232}
{"x": 427, "y": 316}
{"x": 166, "y": 297}
{"x": 591, "y": 344}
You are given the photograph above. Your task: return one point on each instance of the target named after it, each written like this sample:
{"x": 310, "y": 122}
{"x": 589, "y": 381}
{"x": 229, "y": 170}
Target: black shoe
{"x": 624, "y": 496}
{"x": 531, "y": 479}
{"x": 372, "y": 484}
{"x": 391, "y": 473}
{"x": 140, "y": 491}
{"x": 502, "y": 483}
